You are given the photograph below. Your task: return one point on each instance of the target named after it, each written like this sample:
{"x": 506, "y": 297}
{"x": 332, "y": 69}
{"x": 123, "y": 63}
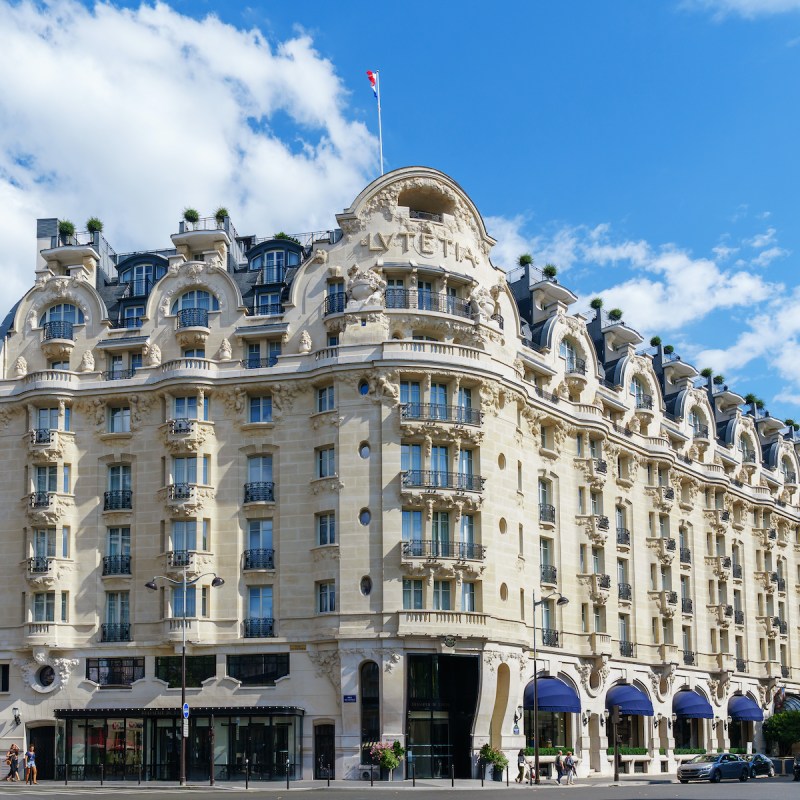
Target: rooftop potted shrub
{"x": 597, "y": 303}
{"x": 669, "y": 349}
{"x": 191, "y": 216}
{"x": 550, "y": 271}
{"x": 707, "y": 372}
{"x": 655, "y": 341}
{"x": 719, "y": 380}
{"x": 615, "y": 315}
{"x": 66, "y": 230}
{"x": 94, "y": 225}
{"x": 525, "y": 260}
{"x": 219, "y": 216}
{"x": 282, "y": 235}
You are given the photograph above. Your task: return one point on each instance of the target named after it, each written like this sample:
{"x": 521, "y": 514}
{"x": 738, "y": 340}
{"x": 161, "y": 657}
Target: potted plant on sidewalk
{"x": 492, "y": 756}
{"x": 388, "y": 757}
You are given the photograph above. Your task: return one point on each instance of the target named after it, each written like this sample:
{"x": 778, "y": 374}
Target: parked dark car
{"x": 760, "y": 765}
{"x": 714, "y": 767}
{"x": 796, "y": 768}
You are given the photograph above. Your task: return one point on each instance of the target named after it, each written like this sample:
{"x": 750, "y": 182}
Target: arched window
{"x": 697, "y": 423}
{"x": 370, "y": 706}
{"x": 639, "y": 391}
{"x": 746, "y": 449}
{"x": 197, "y": 298}
{"x": 569, "y": 353}
{"x": 787, "y": 470}
{"x": 141, "y": 277}
{"x": 63, "y": 312}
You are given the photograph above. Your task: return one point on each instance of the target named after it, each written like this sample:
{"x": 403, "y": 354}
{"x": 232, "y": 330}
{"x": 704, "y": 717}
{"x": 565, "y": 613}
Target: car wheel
{"x": 715, "y": 777}
{"x": 771, "y": 772}
{"x": 744, "y": 776}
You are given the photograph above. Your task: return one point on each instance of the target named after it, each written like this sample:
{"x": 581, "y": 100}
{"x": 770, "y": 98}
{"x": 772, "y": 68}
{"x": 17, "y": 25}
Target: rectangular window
{"x": 259, "y": 469}
{"x": 198, "y": 669}
{"x": 47, "y": 418}
{"x": 326, "y": 597}
{"x": 325, "y": 399}
{"x": 119, "y": 477}
{"x": 441, "y": 596}
{"x": 44, "y": 543}
{"x": 326, "y": 462}
{"x": 326, "y": 528}
{"x": 67, "y": 418}
{"x": 258, "y": 669}
{"x": 261, "y": 409}
{"x": 412, "y": 593}
{"x": 468, "y": 596}
{"x": 185, "y": 407}
{"x": 64, "y": 606}
{"x": 259, "y": 602}
{"x": 412, "y": 525}
{"x": 4, "y": 669}
{"x": 259, "y": 534}
{"x": 114, "y": 671}
{"x": 117, "y": 608}
{"x": 65, "y": 542}
{"x": 67, "y": 483}
{"x": 118, "y": 542}
{"x": 178, "y": 602}
{"x": 46, "y": 479}
{"x": 184, "y": 534}
{"x": 119, "y": 419}
{"x": 44, "y": 607}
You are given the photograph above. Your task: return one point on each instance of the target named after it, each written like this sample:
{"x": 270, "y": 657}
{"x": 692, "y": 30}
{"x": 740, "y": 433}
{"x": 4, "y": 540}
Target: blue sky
{"x": 646, "y": 148}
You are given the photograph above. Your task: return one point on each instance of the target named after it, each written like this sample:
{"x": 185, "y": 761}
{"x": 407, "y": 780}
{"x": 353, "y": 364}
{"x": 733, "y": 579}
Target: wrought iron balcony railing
{"x": 436, "y": 479}
{"x": 259, "y": 492}
{"x": 266, "y": 309}
{"x": 41, "y": 436}
{"x": 624, "y": 591}
{"x": 259, "y": 363}
{"x": 689, "y": 657}
{"x": 335, "y": 303}
{"x": 181, "y": 426}
{"x": 421, "y": 300}
{"x": 180, "y": 491}
{"x": 700, "y": 432}
{"x": 39, "y": 565}
{"x": 433, "y": 548}
{"x": 547, "y": 513}
{"x": 687, "y": 606}
{"x": 192, "y": 318}
{"x": 116, "y": 565}
{"x": 433, "y": 412}
{"x": 644, "y": 401}
{"x": 741, "y": 665}
{"x": 58, "y": 329}
{"x": 41, "y": 499}
{"x": 738, "y": 616}
{"x": 603, "y": 580}
{"x": 600, "y": 466}
{"x": 623, "y": 536}
{"x": 259, "y": 627}
{"x": 785, "y": 671}
{"x": 549, "y": 573}
{"x": 550, "y": 637}
{"x": 626, "y": 649}
{"x": 576, "y": 366}
{"x": 259, "y": 558}
{"x": 602, "y": 522}
{"x": 115, "y": 632}
{"x": 685, "y": 555}
{"x": 118, "y": 500}
{"x": 180, "y": 558}
{"x": 118, "y": 374}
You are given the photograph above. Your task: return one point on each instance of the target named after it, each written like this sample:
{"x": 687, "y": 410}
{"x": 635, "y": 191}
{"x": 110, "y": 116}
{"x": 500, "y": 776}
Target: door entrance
{"x": 44, "y": 737}
{"x": 324, "y": 752}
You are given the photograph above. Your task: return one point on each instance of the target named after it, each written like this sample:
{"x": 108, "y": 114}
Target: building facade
{"x": 398, "y": 458}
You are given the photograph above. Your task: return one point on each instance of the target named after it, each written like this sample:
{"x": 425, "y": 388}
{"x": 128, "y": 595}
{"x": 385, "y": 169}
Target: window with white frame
{"x": 119, "y": 419}
{"x": 326, "y": 597}
{"x": 468, "y": 596}
{"x": 44, "y": 606}
{"x": 412, "y": 593}
{"x": 326, "y": 400}
{"x": 326, "y": 528}
{"x": 441, "y": 596}
{"x": 326, "y": 462}
{"x": 261, "y": 408}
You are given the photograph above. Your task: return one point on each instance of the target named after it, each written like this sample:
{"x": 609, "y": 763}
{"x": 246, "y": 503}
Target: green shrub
{"x": 629, "y": 751}
{"x": 597, "y": 303}
{"x": 615, "y": 315}
{"x": 655, "y": 341}
{"x": 94, "y": 225}
{"x": 191, "y": 215}
{"x": 525, "y": 260}
{"x": 66, "y": 228}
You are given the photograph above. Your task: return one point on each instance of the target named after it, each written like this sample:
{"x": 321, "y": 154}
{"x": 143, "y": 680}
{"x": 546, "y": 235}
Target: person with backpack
{"x": 569, "y": 764}
{"x": 559, "y": 767}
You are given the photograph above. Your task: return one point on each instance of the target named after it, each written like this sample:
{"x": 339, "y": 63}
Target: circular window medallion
{"x": 363, "y": 387}
{"x": 363, "y": 450}
{"x": 364, "y": 516}
{"x": 46, "y": 675}
{"x": 366, "y": 585}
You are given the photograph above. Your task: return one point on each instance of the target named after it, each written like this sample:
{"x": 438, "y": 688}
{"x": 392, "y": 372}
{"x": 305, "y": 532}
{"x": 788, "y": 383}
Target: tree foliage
{"x": 784, "y": 729}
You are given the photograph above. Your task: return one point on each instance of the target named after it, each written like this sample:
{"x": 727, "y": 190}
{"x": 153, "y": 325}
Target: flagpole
{"x": 380, "y": 128}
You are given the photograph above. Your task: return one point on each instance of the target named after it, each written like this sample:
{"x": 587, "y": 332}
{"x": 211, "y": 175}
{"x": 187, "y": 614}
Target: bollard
{"x": 481, "y": 770}
{"x": 247, "y": 773}
{"x": 507, "y": 768}
{"x": 452, "y": 776}
{"x": 329, "y": 776}
{"x": 140, "y": 773}
{"x": 101, "y": 774}
{"x": 66, "y": 773}
{"x": 287, "y": 773}
{"x": 413, "y": 774}
{"x": 371, "y": 774}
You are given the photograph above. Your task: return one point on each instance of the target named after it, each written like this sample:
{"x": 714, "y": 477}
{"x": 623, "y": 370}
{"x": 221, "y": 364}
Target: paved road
{"x": 633, "y": 788}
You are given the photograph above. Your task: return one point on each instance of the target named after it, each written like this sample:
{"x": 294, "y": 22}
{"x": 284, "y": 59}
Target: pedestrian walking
{"x": 559, "y": 767}
{"x": 569, "y": 764}
{"x": 520, "y": 766}
{"x": 12, "y": 762}
{"x": 30, "y": 764}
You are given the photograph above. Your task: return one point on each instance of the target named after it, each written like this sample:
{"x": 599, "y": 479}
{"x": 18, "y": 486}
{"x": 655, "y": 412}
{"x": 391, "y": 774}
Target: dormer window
{"x": 63, "y": 312}
{"x": 569, "y": 353}
{"x": 747, "y": 451}
{"x": 697, "y": 423}
{"x": 140, "y": 278}
{"x": 639, "y": 392}
{"x": 196, "y": 299}
{"x": 273, "y": 264}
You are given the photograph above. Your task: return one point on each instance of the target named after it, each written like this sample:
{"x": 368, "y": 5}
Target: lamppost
{"x": 562, "y": 601}
{"x": 185, "y": 583}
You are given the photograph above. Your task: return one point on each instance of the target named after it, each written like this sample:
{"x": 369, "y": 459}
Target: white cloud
{"x": 133, "y": 114}
{"x": 749, "y": 9}
{"x": 762, "y": 239}
{"x": 724, "y": 252}
{"x": 766, "y": 257}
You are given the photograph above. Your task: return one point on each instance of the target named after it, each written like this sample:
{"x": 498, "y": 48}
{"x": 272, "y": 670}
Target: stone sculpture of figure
{"x": 482, "y": 301}
{"x": 364, "y": 287}
{"x": 305, "y": 342}
{"x": 20, "y": 367}
{"x": 152, "y": 354}
{"x": 224, "y": 351}
{"x": 87, "y": 362}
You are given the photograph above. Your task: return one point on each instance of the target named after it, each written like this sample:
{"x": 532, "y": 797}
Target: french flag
{"x": 372, "y": 76}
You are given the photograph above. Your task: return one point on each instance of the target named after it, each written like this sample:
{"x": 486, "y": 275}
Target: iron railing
{"x": 39, "y": 564}
{"x": 603, "y": 580}
{"x": 547, "y": 513}
{"x": 689, "y": 657}
{"x": 58, "y": 329}
{"x": 422, "y": 300}
{"x": 439, "y": 479}
{"x": 182, "y": 425}
{"x": 259, "y": 558}
{"x": 687, "y": 606}
{"x": 550, "y": 637}
{"x": 180, "y": 491}
{"x": 432, "y": 412}
{"x": 180, "y": 558}
{"x": 624, "y": 591}
{"x": 601, "y": 522}
{"x": 117, "y": 374}
{"x": 259, "y": 363}
{"x": 785, "y": 671}
{"x": 115, "y": 632}
{"x": 259, "y": 492}
{"x": 549, "y": 573}
{"x": 40, "y": 499}
{"x": 685, "y": 555}
{"x": 424, "y": 215}
{"x": 738, "y": 616}
{"x": 741, "y": 665}
{"x": 576, "y": 366}
{"x": 434, "y": 548}
{"x": 672, "y": 597}
{"x": 138, "y": 288}
{"x": 192, "y": 318}
{"x": 626, "y": 649}
{"x": 259, "y": 627}
{"x": 334, "y": 303}
{"x": 266, "y": 309}
{"x": 644, "y": 401}
{"x": 623, "y": 536}
{"x": 41, "y": 436}
{"x": 600, "y": 466}
{"x": 700, "y": 432}
{"x": 116, "y": 565}
{"x": 117, "y": 499}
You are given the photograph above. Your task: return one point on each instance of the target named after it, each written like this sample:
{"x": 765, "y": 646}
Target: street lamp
{"x": 185, "y": 583}
{"x": 562, "y": 601}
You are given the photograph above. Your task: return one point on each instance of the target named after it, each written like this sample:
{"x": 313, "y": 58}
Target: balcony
{"x": 689, "y": 658}
{"x": 576, "y": 366}
{"x": 266, "y": 309}
{"x": 419, "y": 300}
{"x": 115, "y": 632}
{"x": 116, "y": 565}
{"x": 624, "y": 592}
{"x": 57, "y": 330}
{"x": 644, "y": 406}
{"x": 181, "y": 427}
{"x": 430, "y": 480}
{"x": 685, "y": 555}
{"x": 550, "y": 637}
{"x": 687, "y": 606}
{"x": 41, "y": 499}
{"x": 259, "y": 558}
{"x": 138, "y": 288}
{"x": 781, "y": 584}
{"x": 334, "y": 304}
{"x": 599, "y": 585}
{"x": 741, "y": 665}
{"x": 180, "y": 558}
{"x": 723, "y": 613}
{"x": 623, "y": 537}
{"x": 785, "y": 671}
{"x": 626, "y": 649}
{"x": 40, "y": 565}
{"x": 720, "y": 566}
{"x": 600, "y": 466}
{"x": 738, "y": 616}
{"x": 442, "y": 623}
{"x": 434, "y": 549}
{"x": 665, "y": 547}
{"x": 666, "y": 600}
{"x": 548, "y": 574}
{"x": 259, "y": 628}
{"x": 181, "y": 491}
{"x": 117, "y": 374}
{"x": 547, "y": 514}
{"x": 192, "y": 318}
{"x": 434, "y": 412}
{"x": 40, "y": 436}
{"x": 700, "y": 432}
{"x": 259, "y": 492}
{"x": 118, "y": 500}
{"x": 736, "y": 571}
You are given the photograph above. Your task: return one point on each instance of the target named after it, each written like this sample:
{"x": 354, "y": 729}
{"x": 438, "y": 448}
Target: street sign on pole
{"x": 186, "y": 711}
{"x": 186, "y": 729}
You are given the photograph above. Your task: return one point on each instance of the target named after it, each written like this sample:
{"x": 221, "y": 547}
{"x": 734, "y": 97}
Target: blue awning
{"x": 630, "y": 700}
{"x": 743, "y": 709}
{"x": 791, "y": 702}
{"x": 691, "y": 705}
{"x": 552, "y": 695}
